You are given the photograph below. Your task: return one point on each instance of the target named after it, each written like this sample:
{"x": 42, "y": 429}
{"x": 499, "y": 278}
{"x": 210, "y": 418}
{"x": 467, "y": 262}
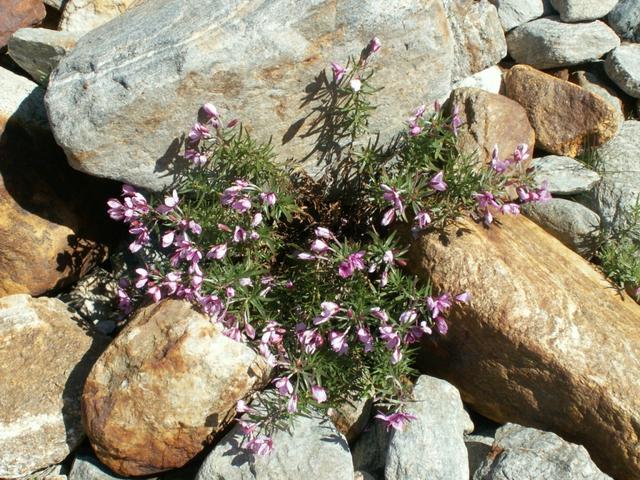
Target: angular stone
{"x": 572, "y": 223}
{"x": 87, "y": 467}
{"x": 478, "y": 36}
{"x": 625, "y": 19}
{"x": 550, "y": 43}
{"x": 623, "y": 67}
{"x": 84, "y": 15}
{"x": 431, "y": 446}
{"x": 619, "y": 164}
{"x": 131, "y": 76}
{"x": 565, "y": 117}
{"x": 45, "y": 356}
{"x": 582, "y": 10}
{"x": 351, "y": 417}
{"x": 168, "y": 382}
{"x": 489, "y": 80}
{"x": 595, "y": 84}
{"x": 478, "y": 449}
{"x": 513, "y": 13}
{"x": 17, "y": 14}
{"x": 527, "y": 348}
{"x": 564, "y": 175}
{"x": 39, "y": 50}
{"x": 490, "y": 119}
{"x": 530, "y": 454}
{"x": 313, "y": 449}
{"x": 370, "y": 450}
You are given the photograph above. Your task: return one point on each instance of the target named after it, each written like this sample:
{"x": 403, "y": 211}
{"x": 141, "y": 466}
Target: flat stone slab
{"x": 564, "y": 175}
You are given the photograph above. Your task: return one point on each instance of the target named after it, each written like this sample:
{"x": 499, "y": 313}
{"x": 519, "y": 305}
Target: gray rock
{"x": 87, "y": 467}
{"x": 478, "y": 36}
{"x": 132, "y": 79}
{"x": 549, "y": 43}
{"x": 360, "y": 475}
{"x": 623, "y": 67}
{"x": 564, "y": 175}
{"x": 513, "y": 13}
{"x": 625, "y": 19}
{"x": 593, "y": 83}
{"x": 572, "y": 223}
{"x": 478, "y": 449}
{"x": 489, "y": 80}
{"x": 619, "y": 189}
{"x": 432, "y": 446}
{"x": 370, "y": 450}
{"x": 22, "y": 102}
{"x": 84, "y": 15}
{"x": 581, "y": 10}
{"x": 39, "y": 50}
{"x": 530, "y": 454}
{"x": 57, "y": 4}
{"x": 313, "y": 449}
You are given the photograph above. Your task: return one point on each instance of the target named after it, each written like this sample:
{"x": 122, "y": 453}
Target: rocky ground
{"x": 537, "y": 379}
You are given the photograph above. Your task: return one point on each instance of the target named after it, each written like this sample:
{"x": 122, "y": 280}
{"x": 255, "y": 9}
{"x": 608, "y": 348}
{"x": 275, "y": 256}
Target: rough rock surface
{"x": 39, "y": 50}
{"x": 572, "y": 223}
{"x": 45, "y": 356}
{"x": 600, "y": 86}
{"x": 564, "y": 175}
{"x": 431, "y": 446}
{"x": 583, "y": 118}
{"x": 50, "y": 234}
{"x": 530, "y": 454}
{"x": 625, "y": 19}
{"x": 529, "y": 334}
{"x": 513, "y": 13}
{"x": 582, "y": 10}
{"x": 619, "y": 162}
{"x": 479, "y": 40}
{"x": 260, "y": 62}
{"x": 370, "y": 450}
{"x": 351, "y": 417}
{"x": 313, "y": 449}
{"x": 623, "y": 67}
{"x": 87, "y": 467}
{"x": 17, "y": 14}
{"x": 84, "y": 15}
{"x": 550, "y": 43}
{"x": 165, "y": 384}
{"x": 489, "y": 80}
{"x": 490, "y": 119}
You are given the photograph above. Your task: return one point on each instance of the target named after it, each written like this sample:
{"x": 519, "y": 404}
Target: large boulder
{"x": 550, "y": 43}
{"x": 546, "y": 342}
{"x": 565, "y": 117}
{"x": 165, "y": 385}
{"x": 625, "y": 19}
{"x": 45, "y": 356}
{"x": 261, "y": 62}
{"x": 16, "y": 14}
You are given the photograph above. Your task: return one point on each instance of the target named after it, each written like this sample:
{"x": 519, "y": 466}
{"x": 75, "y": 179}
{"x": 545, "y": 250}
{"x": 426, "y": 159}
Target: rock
{"x": 370, "y": 450}
{"x": 87, "y": 467}
{"x": 530, "y": 454}
{"x": 45, "y": 356}
{"x": 478, "y": 36}
{"x": 38, "y": 50}
{"x": 17, "y": 14}
{"x": 144, "y": 406}
{"x": 432, "y": 445}
{"x": 595, "y": 84}
{"x": 565, "y": 117}
{"x": 351, "y": 417}
{"x": 625, "y": 19}
{"x": 50, "y": 234}
{"x": 529, "y": 334}
{"x": 489, "y": 80}
{"x": 490, "y": 119}
{"x": 57, "y": 4}
{"x": 288, "y": 49}
{"x": 582, "y": 10}
{"x": 564, "y": 175}
{"x": 572, "y": 223}
{"x": 623, "y": 67}
{"x": 513, "y": 13}
{"x": 360, "y": 475}
{"x": 84, "y": 15}
{"x": 549, "y": 43}
{"x": 618, "y": 161}
{"x": 313, "y": 448}
{"x": 478, "y": 449}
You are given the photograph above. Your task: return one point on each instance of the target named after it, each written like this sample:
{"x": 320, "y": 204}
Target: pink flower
{"x": 195, "y": 157}
{"x": 309, "y": 338}
{"x": 257, "y": 220}
{"x": 292, "y": 405}
{"x": 268, "y": 198}
{"x": 352, "y": 263}
{"x": 379, "y": 314}
{"x": 239, "y": 234}
{"x": 338, "y": 71}
{"x": 374, "y": 45}
{"x": 464, "y": 297}
{"x": 339, "y": 342}
{"x": 414, "y": 129}
{"x": 393, "y": 196}
{"x": 283, "y": 385}
{"x": 242, "y": 407}
{"x": 388, "y": 257}
{"x": 496, "y": 164}
{"x": 323, "y": 232}
{"x": 388, "y": 217}
{"x": 456, "y": 122}
{"x": 198, "y": 132}
{"x": 396, "y": 356}
{"x": 319, "y": 394}
{"x": 154, "y": 292}
{"x": 391, "y": 338}
{"x": 261, "y": 445}
{"x": 143, "y": 277}
{"x": 510, "y": 208}
{"x": 365, "y": 337}
{"x": 263, "y": 348}
{"x": 355, "y": 84}
{"x": 241, "y": 205}
{"x": 210, "y": 110}
{"x": 397, "y": 420}
{"x": 408, "y": 316}
{"x": 171, "y": 282}
{"x": 305, "y": 256}
{"x": 421, "y": 220}
{"x": 439, "y": 304}
{"x": 438, "y": 183}
{"x": 441, "y": 325}
{"x": 485, "y": 200}
{"x": 520, "y": 152}
{"x": 319, "y": 246}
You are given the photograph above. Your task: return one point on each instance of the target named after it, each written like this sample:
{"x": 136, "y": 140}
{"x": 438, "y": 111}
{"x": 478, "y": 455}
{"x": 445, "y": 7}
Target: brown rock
{"x": 351, "y": 417}
{"x": 45, "y": 356}
{"x": 165, "y": 385}
{"x": 564, "y": 116}
{"x": 490, "y": 119}
{"x": 546, "y": 341}
{"x": 16, "y": 14}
